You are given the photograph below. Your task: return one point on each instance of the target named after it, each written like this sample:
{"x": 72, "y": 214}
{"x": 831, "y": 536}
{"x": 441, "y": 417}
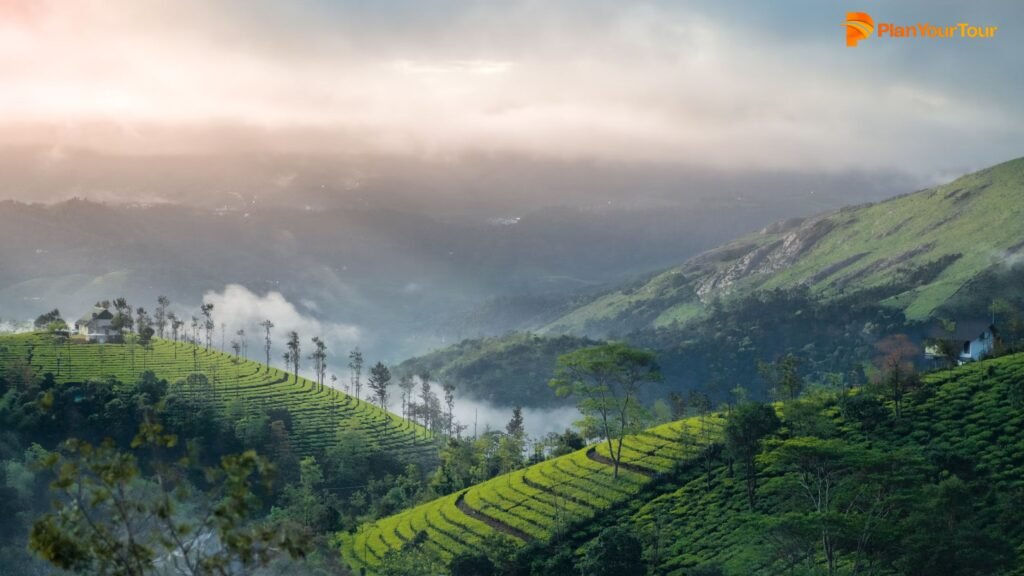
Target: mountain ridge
{"x": 921, "y": 235}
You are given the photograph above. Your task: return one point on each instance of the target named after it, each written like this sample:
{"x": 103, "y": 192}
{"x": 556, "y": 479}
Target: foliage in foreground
{"x": 111, "y": 518}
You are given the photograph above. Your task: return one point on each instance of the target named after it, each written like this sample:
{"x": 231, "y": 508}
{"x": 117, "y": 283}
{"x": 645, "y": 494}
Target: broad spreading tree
{"x": 606, "y": 381}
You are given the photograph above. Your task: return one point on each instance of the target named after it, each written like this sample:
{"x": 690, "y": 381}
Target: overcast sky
{"x": 725, "y": 84}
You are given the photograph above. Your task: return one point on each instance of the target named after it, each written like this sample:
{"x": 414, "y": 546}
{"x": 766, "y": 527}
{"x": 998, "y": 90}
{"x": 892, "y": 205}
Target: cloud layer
{"x": 704, "y": 83}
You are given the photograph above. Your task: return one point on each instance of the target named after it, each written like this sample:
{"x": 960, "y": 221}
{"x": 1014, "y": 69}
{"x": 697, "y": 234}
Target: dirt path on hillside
{"x": 593, "y": 455}
{"x": 498, "y": 525}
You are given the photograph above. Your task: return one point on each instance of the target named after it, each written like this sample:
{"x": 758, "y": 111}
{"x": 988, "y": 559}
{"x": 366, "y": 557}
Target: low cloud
{"x": 538, "y": 421}
{"x": 239, "y": 308}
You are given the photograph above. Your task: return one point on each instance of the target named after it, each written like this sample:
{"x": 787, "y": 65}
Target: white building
{"x": 973, "y": 340}
{"x": 95, "y": 325}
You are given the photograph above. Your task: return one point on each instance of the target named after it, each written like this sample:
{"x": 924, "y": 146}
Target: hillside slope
{"x": 927, "y": 245}
{"x": 955, "y": 508}
{"x": 529, "y": 505}
{"x": 316, "y": 415}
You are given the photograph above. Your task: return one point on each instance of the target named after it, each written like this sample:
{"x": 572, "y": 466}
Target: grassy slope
{"x": 316, "y": 415}
{"x": 537, "y": 501}
{"x": 979, "y": 216}
{"x": 967, "y": 414}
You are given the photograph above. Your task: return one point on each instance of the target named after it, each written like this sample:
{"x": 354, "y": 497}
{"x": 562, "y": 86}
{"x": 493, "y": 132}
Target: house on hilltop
{"x": 972, "y": 340}
{"x": 95, "y": 325}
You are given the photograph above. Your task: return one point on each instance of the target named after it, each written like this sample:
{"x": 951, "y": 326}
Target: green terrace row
{"x": 317, "y": 414}
{"x": 532, "y": 503}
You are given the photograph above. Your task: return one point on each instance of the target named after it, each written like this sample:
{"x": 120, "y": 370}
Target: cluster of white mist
{"x": 237, "y": 307}
{"x": 539, "y": 422}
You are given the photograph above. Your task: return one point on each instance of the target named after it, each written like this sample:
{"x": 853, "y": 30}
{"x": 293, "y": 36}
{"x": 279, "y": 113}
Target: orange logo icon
{"x": 859, "y": 26}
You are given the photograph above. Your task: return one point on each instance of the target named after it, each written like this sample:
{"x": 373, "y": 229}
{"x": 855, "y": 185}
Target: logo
{"x": 859, "y": 26}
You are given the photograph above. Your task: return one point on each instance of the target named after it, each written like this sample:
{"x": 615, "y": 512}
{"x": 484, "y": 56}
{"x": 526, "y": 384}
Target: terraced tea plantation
{"x": 317, "y": 415}
{"x": 534, "y": 503}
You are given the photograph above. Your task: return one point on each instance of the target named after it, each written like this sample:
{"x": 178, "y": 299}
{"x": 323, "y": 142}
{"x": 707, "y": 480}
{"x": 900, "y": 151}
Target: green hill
{"x": 923, "y": 249}
{"x": 528, "y": 505}
{"x": 316, "y": 415}
{"x": 955, "y": 452}
{"x": 938, "y": 489}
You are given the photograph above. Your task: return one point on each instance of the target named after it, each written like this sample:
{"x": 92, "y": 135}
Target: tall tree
{"x": 142, "y": 320}
{"x": 406, "y": 384}
{"x": 267, "y": 325}
{"x": 606, "y": 380}
{"x": 895, "y": 362}
{"x": 295, "y": 351}
{"x": 195, "y": 344}
{"x": 746, "y": 427}
{"x": 160, "y": 317}
{"x": 425, "y": 396}
{"x": 175, "y": 325}
{"x": 144, "y": 334}
{"x": 319, "y": 358}
{"x": 207, "y": 312}
{"x": 379, "y": 381}
{"x": 122, "y": 321}
{"x": 783, "y": 376}
{"x": 243, "y": 342}
{"x": 516, "y": 426}
{"x": 355, "y": 366}
{"x": 449, "y": 402}
{"x": 706, "y": 440}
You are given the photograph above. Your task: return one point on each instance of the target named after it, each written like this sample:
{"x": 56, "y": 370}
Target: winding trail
{"x": 498, "y": 525}
{"x": 593, "y": 455}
